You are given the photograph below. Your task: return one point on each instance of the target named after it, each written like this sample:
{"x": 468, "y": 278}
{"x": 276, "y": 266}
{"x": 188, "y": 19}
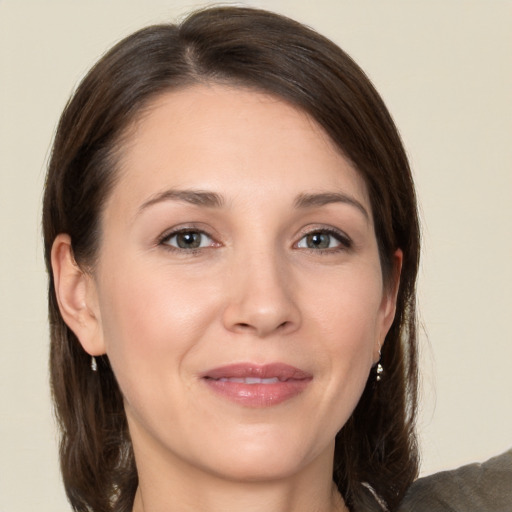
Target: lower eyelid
{"x": 342, "y": 240}
{"x": 165, "y": 239}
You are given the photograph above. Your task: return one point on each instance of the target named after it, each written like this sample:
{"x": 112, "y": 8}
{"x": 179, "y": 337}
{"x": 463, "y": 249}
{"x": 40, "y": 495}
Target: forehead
{"x": 234, "y": 141}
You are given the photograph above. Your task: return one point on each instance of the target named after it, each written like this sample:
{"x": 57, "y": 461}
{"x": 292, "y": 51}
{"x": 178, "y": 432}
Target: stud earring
{"x": 94, "y": 364}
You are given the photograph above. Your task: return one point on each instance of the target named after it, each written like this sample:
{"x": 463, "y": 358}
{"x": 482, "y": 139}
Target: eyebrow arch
{"x": 196, "y": 197}
{"x": 321, "y": 199}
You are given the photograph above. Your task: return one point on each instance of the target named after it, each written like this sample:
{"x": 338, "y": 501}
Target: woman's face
{"x": 238, "y": 292}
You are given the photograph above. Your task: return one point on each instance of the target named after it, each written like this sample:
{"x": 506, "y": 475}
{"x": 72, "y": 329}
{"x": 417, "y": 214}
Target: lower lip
{"x": 258, "y": 395}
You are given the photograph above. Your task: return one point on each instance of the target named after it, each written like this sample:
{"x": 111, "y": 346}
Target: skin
{"x": 256, "y": 290}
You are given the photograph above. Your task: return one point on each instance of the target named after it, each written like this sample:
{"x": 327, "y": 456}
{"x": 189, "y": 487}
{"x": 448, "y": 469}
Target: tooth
{"x": 255, "y": 380}
{"x": 249, "y": 380}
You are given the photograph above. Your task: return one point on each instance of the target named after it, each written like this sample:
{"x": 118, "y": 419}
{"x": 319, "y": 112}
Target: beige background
{"x": 443, "y": 67}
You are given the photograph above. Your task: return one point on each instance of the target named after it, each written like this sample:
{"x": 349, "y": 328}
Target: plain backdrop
{"x": 444, "y": 69}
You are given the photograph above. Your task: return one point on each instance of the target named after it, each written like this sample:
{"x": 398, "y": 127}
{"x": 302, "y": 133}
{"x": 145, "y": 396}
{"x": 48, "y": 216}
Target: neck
{"x": 176, "y": 486}
{"x": 252, "y": 497}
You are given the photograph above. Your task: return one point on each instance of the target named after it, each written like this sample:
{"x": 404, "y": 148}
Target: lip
{"x": 281, "y": 383}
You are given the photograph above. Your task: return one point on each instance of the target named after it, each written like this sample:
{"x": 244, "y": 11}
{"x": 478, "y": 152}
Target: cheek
{"x": 150, "y": 323}
{"x": 347, "y": 320}
{"x": 347, "y": 307}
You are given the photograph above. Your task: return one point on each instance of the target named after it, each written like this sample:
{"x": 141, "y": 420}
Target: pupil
{"x": 318, "y": 241}
{"x": 189, "y": 240}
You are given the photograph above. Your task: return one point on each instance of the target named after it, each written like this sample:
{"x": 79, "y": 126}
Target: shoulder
{"x": 472, "y": 488}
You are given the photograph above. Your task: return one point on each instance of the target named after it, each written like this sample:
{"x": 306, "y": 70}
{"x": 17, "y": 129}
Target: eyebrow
{"x": 214, "y": 200}
{"x": 196, "y": 197}
{"x": 322, "y": 199}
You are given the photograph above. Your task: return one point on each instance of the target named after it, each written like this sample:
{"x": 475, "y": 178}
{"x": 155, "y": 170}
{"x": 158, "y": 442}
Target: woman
{"x": 232, "y": 241}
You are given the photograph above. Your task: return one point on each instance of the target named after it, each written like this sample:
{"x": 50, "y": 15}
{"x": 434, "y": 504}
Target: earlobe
{"x": 76, "y": 296}
{"x": 389, "y": 302}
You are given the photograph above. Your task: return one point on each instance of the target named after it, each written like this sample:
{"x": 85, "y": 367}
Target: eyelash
{"x": 344, "y": 241}
{"x": 165, "y": 239}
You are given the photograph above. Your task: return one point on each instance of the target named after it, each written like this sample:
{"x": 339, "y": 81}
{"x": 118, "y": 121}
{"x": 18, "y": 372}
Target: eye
{"x": 188, "y": 239}
{"x": 324, "y": 240}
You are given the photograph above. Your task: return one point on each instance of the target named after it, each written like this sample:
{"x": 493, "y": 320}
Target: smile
{"x": 249, "y": 380}
{"x": 257, "y": 386}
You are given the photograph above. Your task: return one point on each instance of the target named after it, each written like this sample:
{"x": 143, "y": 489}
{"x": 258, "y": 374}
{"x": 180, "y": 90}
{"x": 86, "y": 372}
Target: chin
{"x": 245, "y": 469}
{"x": 271, "y": 457}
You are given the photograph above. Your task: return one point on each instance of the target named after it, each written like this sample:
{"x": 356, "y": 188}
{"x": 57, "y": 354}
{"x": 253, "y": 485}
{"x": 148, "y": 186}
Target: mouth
{"x": 250, "y": 380}
{"x": 257, "y": 386}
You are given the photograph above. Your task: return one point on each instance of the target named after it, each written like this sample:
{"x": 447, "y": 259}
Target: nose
{"x": 262, "y": 297}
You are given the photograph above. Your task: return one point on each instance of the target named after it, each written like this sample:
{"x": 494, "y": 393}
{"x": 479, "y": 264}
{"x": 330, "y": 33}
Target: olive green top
{"x": 485, "y": 487}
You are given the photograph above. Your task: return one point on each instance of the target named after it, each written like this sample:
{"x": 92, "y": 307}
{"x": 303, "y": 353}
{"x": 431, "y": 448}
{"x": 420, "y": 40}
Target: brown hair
{"x": 262, "y": 50}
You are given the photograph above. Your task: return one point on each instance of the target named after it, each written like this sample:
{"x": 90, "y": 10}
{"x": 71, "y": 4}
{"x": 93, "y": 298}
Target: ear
{"x": 388, "y": 306}
{"x": 76, "y": 296}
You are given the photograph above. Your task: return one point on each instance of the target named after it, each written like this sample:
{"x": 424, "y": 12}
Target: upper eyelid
{"x": 341, "y": 235}
{"x": 191, "y": 227}
{"x": 172, "y": 232}
{"x": 326, "y": 229}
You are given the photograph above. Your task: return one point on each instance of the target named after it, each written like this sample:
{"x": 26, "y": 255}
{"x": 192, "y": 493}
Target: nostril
{"x": 261, "y": 330}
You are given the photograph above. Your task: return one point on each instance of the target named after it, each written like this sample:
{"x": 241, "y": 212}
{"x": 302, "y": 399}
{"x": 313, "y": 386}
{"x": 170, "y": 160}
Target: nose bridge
{"x": 261, "y": 299}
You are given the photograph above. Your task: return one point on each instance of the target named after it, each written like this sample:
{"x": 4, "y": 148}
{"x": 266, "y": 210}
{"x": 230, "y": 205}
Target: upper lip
{"x": 281, "y": 371}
